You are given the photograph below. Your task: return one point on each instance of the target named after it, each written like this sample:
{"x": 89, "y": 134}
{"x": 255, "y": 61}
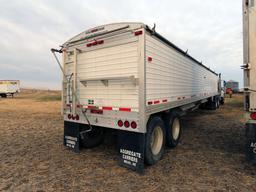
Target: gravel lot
{"x": 210, "y": 156}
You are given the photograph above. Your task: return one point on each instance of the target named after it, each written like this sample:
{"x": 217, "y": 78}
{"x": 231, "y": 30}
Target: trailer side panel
{"x": 173, "y": 78}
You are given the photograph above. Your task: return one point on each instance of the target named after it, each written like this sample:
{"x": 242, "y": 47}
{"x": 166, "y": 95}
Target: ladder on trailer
{"x": 72, "y": 86}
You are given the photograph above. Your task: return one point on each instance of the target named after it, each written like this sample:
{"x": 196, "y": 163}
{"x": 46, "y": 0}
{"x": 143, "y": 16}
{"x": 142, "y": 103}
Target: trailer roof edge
{"x": 177, "y": 48}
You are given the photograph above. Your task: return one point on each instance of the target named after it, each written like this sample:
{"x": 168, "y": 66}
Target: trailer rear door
{"x": 105, "y": 69}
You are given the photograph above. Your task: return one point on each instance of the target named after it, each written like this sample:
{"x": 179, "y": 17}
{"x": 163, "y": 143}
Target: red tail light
{"x": 69, "y": 116}
{"x": 96, "y": 111}
{"x": 73, "y": 117}
{"x": 101, "y": 42}
{"x": 253, "y": 115}
{"x": 134, "y": 125}
{"x": 95, "y": 43}
{"x": 150, "y": 103}
{"x": 138, "y": 33}
{"x": 77, "y": 117}
{"x": 120, "y": 123}
{"x": 94, "y": 30}
{"x": 126, "y": 124}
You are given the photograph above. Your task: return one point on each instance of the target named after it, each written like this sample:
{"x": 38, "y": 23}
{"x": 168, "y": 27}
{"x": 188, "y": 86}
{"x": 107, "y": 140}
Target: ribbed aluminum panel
{"x": 116, "y": 59}
{"x": 171, "y": 76}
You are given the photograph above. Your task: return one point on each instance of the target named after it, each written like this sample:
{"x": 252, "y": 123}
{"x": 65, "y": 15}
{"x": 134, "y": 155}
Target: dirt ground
{"x": 210, "y": 156}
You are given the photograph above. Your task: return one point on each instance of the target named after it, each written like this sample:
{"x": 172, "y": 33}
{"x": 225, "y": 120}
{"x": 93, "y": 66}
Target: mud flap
{"x": 251, "y": 142}
{"x": 71, "y": 135}
{"x": 131, "y": 150}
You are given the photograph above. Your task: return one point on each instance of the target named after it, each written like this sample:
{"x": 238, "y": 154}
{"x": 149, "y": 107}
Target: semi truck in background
{"x": 9, "y": 87}
{"x": 128, "y": 78}
{"x": 249, "y": 67}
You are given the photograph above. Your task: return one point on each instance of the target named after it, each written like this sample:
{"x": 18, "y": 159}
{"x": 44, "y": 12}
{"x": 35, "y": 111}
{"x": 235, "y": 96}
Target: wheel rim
{"x": 156, "y": 140}
{"x": 176, "y": 129}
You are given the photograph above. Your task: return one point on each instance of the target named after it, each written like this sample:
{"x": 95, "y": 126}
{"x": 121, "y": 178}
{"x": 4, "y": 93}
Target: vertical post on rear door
{"x": 142, "y": 80}
{"x": 64, "y": 82}
{"x": 74, "y": 82}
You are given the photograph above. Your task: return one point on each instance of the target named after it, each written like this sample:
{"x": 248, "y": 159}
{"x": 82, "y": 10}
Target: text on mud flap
{"x": 70, "y": 141}
{"x": 130, "y": 157}
{"x": 253, "y": 145}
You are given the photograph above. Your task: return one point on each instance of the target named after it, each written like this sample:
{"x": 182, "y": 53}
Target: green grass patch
{"x": 235, "y": 101}
{"x": 50, "y": 98}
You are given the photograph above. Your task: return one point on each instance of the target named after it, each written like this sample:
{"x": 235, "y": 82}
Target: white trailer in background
{"x": 127, "y": 77}
{"x": 9, "y": 87}
{"x": 249, "y": 23}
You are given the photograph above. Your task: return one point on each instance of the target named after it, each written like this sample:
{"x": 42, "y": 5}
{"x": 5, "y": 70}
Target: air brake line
{"x": 73, "y": 93}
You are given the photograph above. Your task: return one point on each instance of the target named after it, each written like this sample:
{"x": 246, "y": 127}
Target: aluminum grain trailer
{"x": 249, "y": 34}
{"x": 127, "y": 77}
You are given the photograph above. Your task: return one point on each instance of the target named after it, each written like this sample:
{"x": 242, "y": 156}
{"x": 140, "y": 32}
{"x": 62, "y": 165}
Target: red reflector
{"x": 120, "y": 123}
{"x": 136, "y": 33}
{"x": 165, "y": 100}
{"x": 134, "y": 125}
{"x": 95, "y": 43}
{"x": 77, "y": 117}
{"x": 124, "y": 109}
{"x": 156, "y": 102}
{"x": 96, "y": 111}
{"x": 73, "y": 117}
{"x": 150, "y": 59}
{"x": 89, "y": 45}
{"x": 126, "y": 124}
{"x": 107, "y": 108}
{"x": 69, "y": 116}
{"x": 150, "y": 103}
{"x": 253, "y": 115}
{"x": 101, "y": 42}
{"x": 94, "y": 30}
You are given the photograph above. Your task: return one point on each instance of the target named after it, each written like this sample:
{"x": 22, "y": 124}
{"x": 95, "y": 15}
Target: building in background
{"x": 233, "y": 85}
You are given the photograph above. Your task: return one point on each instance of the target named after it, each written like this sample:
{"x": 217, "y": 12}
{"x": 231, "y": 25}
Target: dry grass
{"x": 210, "y": 156}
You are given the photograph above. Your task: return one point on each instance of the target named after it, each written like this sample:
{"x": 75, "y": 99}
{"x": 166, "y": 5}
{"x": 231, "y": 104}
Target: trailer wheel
{"x": 4, "y": 95}
{"x": 93, "y": 138}
{"x": 155, "y": 140}
{"x": 222, "y": 101}
{"x": 173, "y": 129}
{"x": 212, "y": 103}
{"x": 218, "y": 102}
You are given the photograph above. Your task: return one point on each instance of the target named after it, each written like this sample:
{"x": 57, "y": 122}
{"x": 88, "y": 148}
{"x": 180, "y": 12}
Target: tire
{"x": 155, "y": 140}
{"x": 3, "y": 95}
{"x": 218, "y": 102}
{"x": 222, "y": 101}
{"x": 173, "y": 129}
{"x": 212, "y": 103}
{"x": 93, "y": 138}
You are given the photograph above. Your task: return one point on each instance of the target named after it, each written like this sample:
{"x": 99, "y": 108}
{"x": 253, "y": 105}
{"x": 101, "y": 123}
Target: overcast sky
{"x": 211, "y": 30}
